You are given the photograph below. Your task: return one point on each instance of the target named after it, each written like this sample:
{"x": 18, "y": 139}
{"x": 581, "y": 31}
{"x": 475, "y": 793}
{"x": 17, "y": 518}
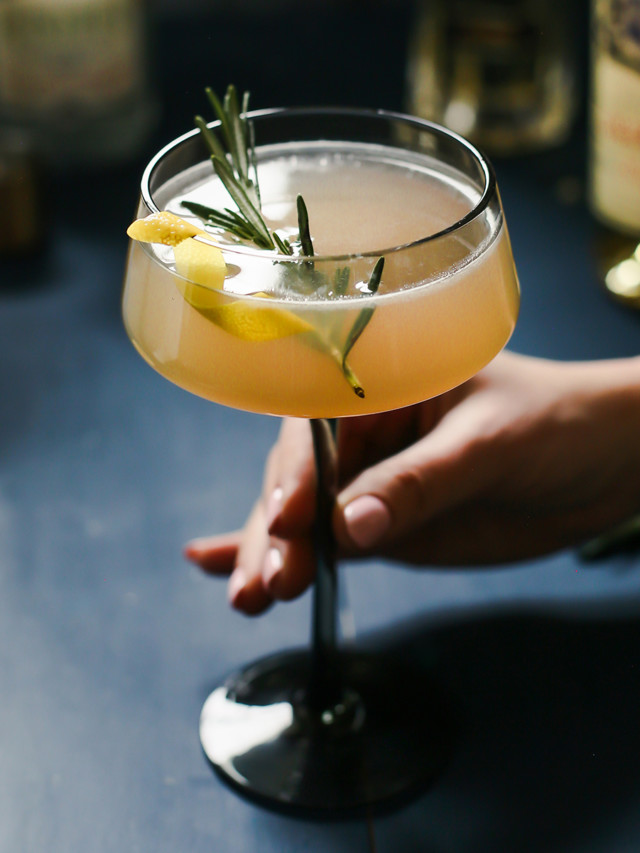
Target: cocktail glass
{"x": 330, "y": 728}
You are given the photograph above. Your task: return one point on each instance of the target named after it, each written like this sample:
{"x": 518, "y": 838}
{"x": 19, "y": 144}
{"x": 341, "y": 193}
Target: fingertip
{"x": 272, "y": 569}
{"x": 247, "y": 596}
{"x": 237, "y": 583}
{"x": 193, "y": 549}
{"x": 202, "y": 560}
{"x": 365, "y": 520}
{"x": 215, "y": 554}
{"x": 288, "y": 569}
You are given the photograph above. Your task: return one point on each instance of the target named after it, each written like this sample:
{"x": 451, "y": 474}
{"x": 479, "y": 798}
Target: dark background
{"x": 109, "y": 642}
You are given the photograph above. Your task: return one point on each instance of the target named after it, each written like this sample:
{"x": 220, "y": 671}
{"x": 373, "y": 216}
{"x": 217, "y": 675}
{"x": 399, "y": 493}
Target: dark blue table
{"x": 109, "y": 642}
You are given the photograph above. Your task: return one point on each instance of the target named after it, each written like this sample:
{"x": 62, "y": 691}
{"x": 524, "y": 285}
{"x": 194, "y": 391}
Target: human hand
{"x": 527, "y": 457}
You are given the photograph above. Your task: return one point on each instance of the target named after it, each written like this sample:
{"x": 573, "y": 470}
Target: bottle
{"x": 500, "y": 72}
{"x": 23, "y": 217}
{"x": 614, "y": 157}
{"x": 73, "y": 77}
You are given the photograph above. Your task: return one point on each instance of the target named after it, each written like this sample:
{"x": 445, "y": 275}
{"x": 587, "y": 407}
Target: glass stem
{"x": 324, "y": 685}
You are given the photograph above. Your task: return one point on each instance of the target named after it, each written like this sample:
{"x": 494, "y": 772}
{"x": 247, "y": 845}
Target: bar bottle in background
{"x": 614, "y": 162}
{"x": 74, "y": 78}
{"x": 23, "y": 219}
{"x": 500, "y": 72}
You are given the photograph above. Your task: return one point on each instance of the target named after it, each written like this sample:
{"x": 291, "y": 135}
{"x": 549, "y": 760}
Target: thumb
{"x": 403, "y": 492}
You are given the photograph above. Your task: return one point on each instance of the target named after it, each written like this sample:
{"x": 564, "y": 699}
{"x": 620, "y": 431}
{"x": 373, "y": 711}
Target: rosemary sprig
{"x": 234, "y": 129}
{"x": 341, "y": 280}
{"x": 283, "y": 245}
{"x": 303, "y": 229}
{"x": 234, "y": 162}
{"x": 262, "y": 236}
{"x": 226, "y": 219}
{"x": 365, "y": 314}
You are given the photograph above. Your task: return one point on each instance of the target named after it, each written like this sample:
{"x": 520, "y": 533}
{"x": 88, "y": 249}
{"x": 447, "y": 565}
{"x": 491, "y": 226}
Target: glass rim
{"x": 488, "y": 192}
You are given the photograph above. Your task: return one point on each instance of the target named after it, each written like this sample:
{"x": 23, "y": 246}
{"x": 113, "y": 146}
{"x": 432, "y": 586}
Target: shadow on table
{"x": 549, "y": 743}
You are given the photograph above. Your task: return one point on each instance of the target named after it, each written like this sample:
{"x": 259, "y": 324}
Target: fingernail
{"x": 273, "y": 564}
{"x": 367, "y": 519}
{"x": 274, "y": 506}
{"x": 237, "y": 583}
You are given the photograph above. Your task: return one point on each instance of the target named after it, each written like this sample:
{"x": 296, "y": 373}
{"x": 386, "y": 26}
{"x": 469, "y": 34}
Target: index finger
{"x": 290, "y": 482}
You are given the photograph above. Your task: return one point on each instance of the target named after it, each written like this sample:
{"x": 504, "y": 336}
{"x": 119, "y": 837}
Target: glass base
{"x": 386, "y": 737}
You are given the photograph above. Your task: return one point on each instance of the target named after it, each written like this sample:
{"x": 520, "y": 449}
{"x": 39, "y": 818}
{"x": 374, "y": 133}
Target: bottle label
{"x": 615, "y": 168}
{"x": 69, "y": 54}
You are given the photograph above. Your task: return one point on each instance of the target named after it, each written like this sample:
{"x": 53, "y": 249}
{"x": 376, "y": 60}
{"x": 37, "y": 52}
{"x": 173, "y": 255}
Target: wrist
{"x": 616, "y": 399}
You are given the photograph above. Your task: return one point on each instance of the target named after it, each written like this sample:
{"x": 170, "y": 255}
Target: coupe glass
{"x": 328, "y": 727}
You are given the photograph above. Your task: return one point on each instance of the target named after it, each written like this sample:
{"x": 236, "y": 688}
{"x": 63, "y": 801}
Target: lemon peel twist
{"x": 202, "y": 269}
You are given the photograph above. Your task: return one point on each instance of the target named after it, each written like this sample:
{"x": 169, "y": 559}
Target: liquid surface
{"x": 444, "y": 307}
{"x": 360, "y": 199}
